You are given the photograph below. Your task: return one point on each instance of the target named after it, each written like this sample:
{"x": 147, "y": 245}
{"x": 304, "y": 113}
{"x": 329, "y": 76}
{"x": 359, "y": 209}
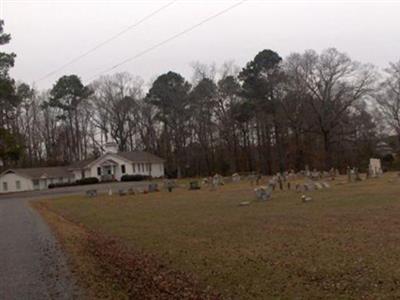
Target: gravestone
{"x": 315, "y": 175}
{"x": 350, "y": 174}
{"x": 307, "y": 172}
{"x": 284, "y": 176}
{"x": 310, "y": 186}
{"x": 194, "y": 185}
{"x": 217, "y": 180}
{"x": 326, "y": 185}
{"x": 332, "y": 172}
{"x": 291, "y": 175}
{"x": 299, "y": 188}
{"x": 375, "y": 168}
{"x": 318, "y": 185}
{"x": 207, "y": 182}
{"x": 169, "y": 184}
{"x": 305, "y": 199}
{"x": 153, "y": 187}
{"x": 272, "y": 182}
{"x": 258, "y": 178}
{"x": 235, "y": 177}
{"x": 263, "y": 193}
{"x": 252, "y": 178}
{"x": 91, "y": 193}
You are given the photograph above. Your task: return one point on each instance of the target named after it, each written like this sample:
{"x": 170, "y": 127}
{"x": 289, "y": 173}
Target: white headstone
{"x": 263, "y": 193}
{"x": 318, "y": 185}
{"x": 375, "y": 167}
{"x": 235, "y": 177}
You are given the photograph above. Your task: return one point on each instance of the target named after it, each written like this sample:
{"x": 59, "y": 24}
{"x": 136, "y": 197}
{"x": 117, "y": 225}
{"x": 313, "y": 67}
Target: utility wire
{"x": 173, "y": 37}
{"x": 79, "y": 57}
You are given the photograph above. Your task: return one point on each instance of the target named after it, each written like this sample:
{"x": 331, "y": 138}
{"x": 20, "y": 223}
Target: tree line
{"x": 322, "y": 109}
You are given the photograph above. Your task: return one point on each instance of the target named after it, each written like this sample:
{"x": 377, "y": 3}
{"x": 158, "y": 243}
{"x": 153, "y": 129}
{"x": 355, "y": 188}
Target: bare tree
{"x": 116, "y": 102}
{"x": 274, "y": 114}
{"x": 388, "y": 97}
{"x": 335, "y": 83}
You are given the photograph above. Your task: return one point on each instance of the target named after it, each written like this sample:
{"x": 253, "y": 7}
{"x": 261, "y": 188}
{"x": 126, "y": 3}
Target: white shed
{"x": 27, "y": 179}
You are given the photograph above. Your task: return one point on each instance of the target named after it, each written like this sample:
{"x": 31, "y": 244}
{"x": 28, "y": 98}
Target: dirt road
{"x": 32, "y": 265}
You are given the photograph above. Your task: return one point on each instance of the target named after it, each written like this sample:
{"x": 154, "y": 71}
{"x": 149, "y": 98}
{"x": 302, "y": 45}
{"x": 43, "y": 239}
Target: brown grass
{"x": 344, "y": 244}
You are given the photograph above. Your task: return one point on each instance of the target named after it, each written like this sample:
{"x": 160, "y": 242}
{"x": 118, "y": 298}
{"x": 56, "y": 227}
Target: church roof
{"x": 140, "y": 156}
{"x": 132, "y": 156}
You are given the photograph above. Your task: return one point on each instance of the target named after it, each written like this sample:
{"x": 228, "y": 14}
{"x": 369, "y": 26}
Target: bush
{"x": 83, "y": 181}
{"x": 135, "y": 177}
{"x": 88, "y": 180}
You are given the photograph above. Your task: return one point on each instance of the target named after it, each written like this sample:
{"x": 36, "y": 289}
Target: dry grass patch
{"x": 84, "y": 266}
{"x": 345, "y": 244}
{"x": 107, "y": 269}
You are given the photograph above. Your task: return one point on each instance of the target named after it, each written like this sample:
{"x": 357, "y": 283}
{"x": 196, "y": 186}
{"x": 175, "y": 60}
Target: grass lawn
{"x": 344, "y": 244}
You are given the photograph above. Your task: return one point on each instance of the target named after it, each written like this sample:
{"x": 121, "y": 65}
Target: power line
{"x": 175, "y": 36}
{"x": 74, "y": 60}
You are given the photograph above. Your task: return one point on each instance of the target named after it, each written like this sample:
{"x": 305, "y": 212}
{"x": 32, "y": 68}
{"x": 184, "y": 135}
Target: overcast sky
{"x": 48, "y": 34}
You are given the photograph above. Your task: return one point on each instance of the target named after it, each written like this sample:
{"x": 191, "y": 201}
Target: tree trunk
{"x": 327, "y": 150}
{"x": 299, "y": 160}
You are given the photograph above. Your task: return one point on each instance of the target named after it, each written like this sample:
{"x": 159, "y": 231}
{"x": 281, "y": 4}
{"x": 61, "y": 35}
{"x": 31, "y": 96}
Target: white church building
{"x": 112, "y": 165}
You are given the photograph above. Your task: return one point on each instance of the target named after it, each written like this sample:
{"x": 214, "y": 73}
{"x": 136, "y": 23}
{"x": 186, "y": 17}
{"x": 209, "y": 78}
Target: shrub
{"x": 83, "y": 181}
{"x": 88, "y": 180}
{"x": 135, "y": 177}
{"x": 109, "y": 180}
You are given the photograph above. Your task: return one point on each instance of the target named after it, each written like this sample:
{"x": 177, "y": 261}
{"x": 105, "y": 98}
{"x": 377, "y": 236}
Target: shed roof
{"x": 36, "y": 173}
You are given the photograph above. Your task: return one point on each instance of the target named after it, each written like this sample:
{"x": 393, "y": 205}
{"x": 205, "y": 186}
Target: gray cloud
{"x": 47, "y": 34}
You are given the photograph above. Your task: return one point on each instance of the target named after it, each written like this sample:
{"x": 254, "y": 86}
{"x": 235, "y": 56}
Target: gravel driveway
{"x": 32, "y": 265}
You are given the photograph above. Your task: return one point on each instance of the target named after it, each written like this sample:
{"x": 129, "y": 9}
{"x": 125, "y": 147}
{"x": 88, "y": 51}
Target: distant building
{"x": 112, "y": 165}
{"x": 15, "y": 180}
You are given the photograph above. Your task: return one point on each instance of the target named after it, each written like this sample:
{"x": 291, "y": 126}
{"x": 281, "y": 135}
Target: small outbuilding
{"x": 28, "y": 179}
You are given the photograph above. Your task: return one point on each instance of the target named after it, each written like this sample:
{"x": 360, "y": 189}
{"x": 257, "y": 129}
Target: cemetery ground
{"x": 345, "y": 243}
